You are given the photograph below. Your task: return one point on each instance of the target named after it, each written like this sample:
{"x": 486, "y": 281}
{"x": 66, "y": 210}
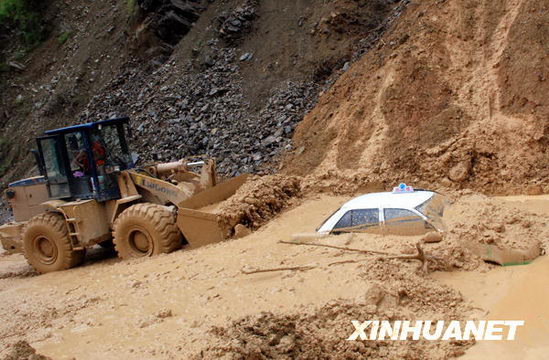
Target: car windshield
{"x": 434, "y": 209}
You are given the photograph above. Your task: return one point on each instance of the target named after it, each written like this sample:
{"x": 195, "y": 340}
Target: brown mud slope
{"x": 455, "y": 95}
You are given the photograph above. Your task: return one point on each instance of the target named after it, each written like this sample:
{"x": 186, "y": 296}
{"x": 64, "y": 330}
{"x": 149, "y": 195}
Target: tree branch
{"x": 337, "y": 247}
{"x": 293, "y": 268}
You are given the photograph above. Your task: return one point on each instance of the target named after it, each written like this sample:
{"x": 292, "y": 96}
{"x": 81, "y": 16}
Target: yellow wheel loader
{"x": 91, "y": 192}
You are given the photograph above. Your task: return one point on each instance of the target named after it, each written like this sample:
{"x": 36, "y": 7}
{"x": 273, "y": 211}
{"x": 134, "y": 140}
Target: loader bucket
{"x": 201, "y": 225}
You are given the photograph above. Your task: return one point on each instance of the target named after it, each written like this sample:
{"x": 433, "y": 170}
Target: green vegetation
{"x": 132, "y": 7}
{"x": 65, "y": 35}
{"x": 22, "y": 14}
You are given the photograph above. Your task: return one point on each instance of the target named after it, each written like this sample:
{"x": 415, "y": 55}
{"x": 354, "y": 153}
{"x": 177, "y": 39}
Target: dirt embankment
{"x": 453, "y": 96}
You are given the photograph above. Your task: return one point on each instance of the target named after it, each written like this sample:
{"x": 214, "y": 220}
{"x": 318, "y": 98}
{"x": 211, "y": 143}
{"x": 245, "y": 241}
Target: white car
{"x": 404, "y": 211}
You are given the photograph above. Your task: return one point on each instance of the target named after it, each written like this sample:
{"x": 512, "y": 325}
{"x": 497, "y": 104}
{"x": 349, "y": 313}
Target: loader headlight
{"x": 10, "y": 194}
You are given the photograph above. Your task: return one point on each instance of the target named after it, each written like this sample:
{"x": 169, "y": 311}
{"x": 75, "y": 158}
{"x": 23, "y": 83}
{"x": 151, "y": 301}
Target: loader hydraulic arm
{"x": 174, "y": 182}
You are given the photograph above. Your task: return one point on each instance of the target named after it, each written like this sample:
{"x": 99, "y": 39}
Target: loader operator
{"x": 79, "y": 163}
{"x": 80, "y": 156}
{"x": 99, "y": 154}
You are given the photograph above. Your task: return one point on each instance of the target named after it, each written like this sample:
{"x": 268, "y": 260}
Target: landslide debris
{"x": 395, "y": 291}
{"x": 257, "y": 201}
{"x": 227, "y": 79}
{"x": 450, "y": 97}
{"x": 21, "y": 350}
{"x": 477, "y": 219}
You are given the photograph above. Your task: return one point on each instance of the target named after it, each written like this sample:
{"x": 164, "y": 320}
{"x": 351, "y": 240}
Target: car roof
{"x": 388, "y": 199}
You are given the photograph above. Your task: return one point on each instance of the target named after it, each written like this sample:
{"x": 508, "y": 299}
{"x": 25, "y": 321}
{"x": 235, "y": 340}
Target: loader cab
{"x": 83, "y": 161}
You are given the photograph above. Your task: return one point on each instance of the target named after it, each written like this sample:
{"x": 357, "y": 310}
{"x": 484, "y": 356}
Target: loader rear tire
{"x": 146, "y": 230}
{"x": 47, "y": 246}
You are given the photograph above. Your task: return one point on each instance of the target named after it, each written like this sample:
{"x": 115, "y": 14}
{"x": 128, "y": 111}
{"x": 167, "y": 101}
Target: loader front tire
{"x": 146, "y": 230}
{"x": 47, "y": 246}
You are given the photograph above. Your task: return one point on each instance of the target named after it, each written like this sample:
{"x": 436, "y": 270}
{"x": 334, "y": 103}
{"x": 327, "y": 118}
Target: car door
{"x": 359, "y": 220}
{"x": 399, "y": 221}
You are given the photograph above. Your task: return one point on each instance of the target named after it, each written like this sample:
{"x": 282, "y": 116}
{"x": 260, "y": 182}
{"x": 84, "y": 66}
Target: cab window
{"x": 358, "y": 220}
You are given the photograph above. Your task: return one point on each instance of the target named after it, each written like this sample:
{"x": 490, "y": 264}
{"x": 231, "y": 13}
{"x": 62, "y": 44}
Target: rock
{"x": 246, "y": 57}
{"x": 268, "y": 140}
{"x": 374, "y": 295}
{"x": 241, "y": 231}
{"x": 164, "y": 313}
{"x": 432, "y": 237}
{"x": 135, "y": 283}
{"x": 460, "y": 172}
{"x": 17, "y": 66}
{"x": 21, "y": 350}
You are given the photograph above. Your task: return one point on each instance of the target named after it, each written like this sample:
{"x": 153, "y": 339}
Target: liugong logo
{"x": 427, "y": 330}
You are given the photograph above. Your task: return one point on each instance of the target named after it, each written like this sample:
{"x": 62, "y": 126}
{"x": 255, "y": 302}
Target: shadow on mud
{"x": 16, "y": 267}
{"x": 99, "y": 254}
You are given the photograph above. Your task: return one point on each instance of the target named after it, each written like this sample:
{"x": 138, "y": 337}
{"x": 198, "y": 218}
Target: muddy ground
{"x": 201, "y": 303}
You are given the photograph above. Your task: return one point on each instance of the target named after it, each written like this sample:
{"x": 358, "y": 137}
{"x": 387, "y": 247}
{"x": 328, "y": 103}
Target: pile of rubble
{"x": 204, "y": 113}
{"x": 198, "y": 106}
{"x": 235, "y": 24}
{"x": 171, "y": 19}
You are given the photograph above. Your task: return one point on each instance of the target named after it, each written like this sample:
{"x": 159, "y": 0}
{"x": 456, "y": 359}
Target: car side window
{"x": 356, "y": 220}
{"x": 365, "y": 218}
{"x": 400, "y": 215}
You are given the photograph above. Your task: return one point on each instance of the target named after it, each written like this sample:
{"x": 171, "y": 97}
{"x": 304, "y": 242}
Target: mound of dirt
{"x": 259, "y": 200}
{"x": 21, "y": 350}
{"x": 397, "y": 292}
{"x": 450, "y": 97}
{"x": 478, "y": 220}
